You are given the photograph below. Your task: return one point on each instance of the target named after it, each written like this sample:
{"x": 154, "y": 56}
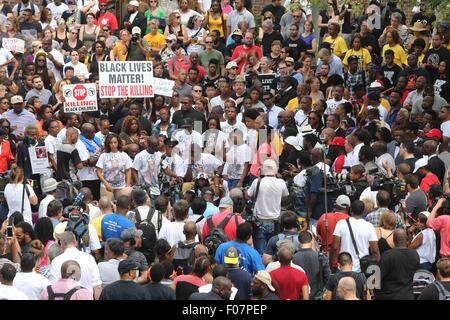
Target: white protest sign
{"x": 163, "y": 87}
{"x": 80, "y": 97}
{"x": 123, "y": 79}
{"x": 39, "y": 160}
{"x": 13, "y": 44}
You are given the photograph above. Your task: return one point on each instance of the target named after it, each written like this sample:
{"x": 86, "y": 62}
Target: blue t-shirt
{"x": 249, "y": 258}
{"x": 113, "y": 225}
{"x": 210, "y": 210}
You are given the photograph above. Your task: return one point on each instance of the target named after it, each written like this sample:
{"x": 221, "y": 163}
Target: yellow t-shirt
{"x": 155, "y": 42}
{"x": 293, "y": 105}
{"x": 97, "y": 224}
{"x": 399, "y": 54}
{"x": 385, "y": 103}
{"x": 216, "y": 24}
{"x": 117, "y": 50}
{"x": 338, "y": 45}
{"x": 364, "y": 58}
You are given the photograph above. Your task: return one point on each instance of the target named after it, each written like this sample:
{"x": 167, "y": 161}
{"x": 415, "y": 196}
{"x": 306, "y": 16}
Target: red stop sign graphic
{"x": 79, "y": 92}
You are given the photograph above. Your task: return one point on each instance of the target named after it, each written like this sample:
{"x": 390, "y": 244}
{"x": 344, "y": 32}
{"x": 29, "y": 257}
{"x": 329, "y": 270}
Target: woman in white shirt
{"x": 424, "y": 242}
{"x": 79, "y": 68}
{"x": 196, "y": 34}
{"x": 15, "y": 192}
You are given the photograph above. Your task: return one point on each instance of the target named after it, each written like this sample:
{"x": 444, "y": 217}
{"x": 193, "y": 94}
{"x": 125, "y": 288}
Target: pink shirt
{"x": 64, "y": 286}
{"x": 265, "y": 151}
{"x": 442, "y": 224}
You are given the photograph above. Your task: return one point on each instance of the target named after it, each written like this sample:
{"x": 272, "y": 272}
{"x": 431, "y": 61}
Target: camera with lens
{"x": 135, "y": 37}
{"x": 396, "y": 187}
{"x": 339, "y": 183}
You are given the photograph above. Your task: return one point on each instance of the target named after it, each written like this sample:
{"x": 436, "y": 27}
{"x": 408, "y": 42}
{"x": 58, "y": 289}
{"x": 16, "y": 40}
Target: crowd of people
{"x": 288, "y": 164}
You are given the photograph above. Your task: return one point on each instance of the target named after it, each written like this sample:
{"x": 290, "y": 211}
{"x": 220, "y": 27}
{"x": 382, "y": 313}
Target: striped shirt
{"x": 19, "y": 121}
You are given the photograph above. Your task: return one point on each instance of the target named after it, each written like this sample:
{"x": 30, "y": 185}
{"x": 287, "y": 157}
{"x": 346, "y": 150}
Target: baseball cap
{"x": 126, "y": 266}
{"x": 49, "y": 185}
{"x": 425, "y": 213}
{"x": 239, "y": 79}
{"x": 434, "y": 133}
{"x": 289, "y": 59}
{"x": 422, "y": 162}
{"x": 444, "y": 24}
{"x": 130, "y": 233}
{"x": 134, "y": 3}
{"x": 237, "y": 32}
{"x": 170, "y": 143}
{"x": 225, "y": 202}
{"x": 231, "y": 64}
{"x": 343, "y": 201}
{"x": 202, "y": 175}
{"x": 136, "y": 30}
{"x": 293, "y": 141}
{"x": 207, "y": 190}
{"x": 59, "y": 230}
{"x": 231, "y": 256}
{"x": 265, "y": 278}
{"x": 16, "y": 99}
{"x": 377, "y": 84}
{"x": 269, "y": 167}
{"x": 352, "y": 58}
{"x": 374, "y": 95}
{"x": 338, "y": 141}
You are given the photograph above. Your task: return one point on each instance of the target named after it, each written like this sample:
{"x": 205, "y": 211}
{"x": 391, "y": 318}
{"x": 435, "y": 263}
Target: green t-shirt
{"x": 160, "y": 15}
{"x": 206, "y": 56}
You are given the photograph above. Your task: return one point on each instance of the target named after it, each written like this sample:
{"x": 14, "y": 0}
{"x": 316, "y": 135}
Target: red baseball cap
{"x": 434, "y": 133}
{"x": 338, "y": 141}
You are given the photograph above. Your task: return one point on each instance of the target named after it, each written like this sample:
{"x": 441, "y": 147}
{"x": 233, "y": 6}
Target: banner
{"x": 163, "y": 87}
{"x": 13, "y": 44}
{"x": 122, "y": 79}
{"x": 268, "y": 81}
{"x": 39, "y": 160}
{"x": 80, "y": 97}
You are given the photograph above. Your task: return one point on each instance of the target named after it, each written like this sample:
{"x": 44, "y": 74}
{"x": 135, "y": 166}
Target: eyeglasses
{"x": 105, "y": 30}
{"x": 6, "y": 127}
{"x": 265, "y": 18}
{"x": 208, "y": 42}
{"x": 197, "y": 90}
{"x": 74, "y": 32}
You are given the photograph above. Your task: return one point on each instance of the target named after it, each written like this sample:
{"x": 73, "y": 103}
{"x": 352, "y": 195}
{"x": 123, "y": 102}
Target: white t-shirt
{"x": 176, "y": 164}
{"x": 147, "y": 166}
{"x": 80, "y": 70}
{"x": 87, "y": 173}
{"x": 363, "y": 232}
{"x": 31, "y": 283}
{"x": 332, "y": 104}
{"x": 51, "y": 66}
{"x": 237, "y": 156}
{"x": 206, "y": 164}
{"x": 144, "y": 210}
{"x": 445, "y": 128}
{"x": 173, "y": 232}
{"x": 228, "y": 128}
{"x": 13, "y": 196}
{"x": 268, "y": 200}
{"x": 11, "y": 293}
{"x": 94, "y": 211}
{"x": 427, "y": 251}
{"x": 51, "y": 143}
{"x": 215, "y": 140}
{"x": 114, "y": 167}
{"x": 57, "y": 11}
{"x": 185, "y": 140}
{"x": 5, "y": 56}
{"x": 43, "y": 205}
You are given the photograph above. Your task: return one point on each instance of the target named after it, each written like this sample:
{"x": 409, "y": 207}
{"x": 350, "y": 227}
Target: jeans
{"x": 262, "y": 235}
{"x": 232, "y": 183}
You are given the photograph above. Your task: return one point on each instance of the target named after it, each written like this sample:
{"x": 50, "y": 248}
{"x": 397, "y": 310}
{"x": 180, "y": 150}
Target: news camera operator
{"x": 359, "y": 179}
{"x": 135, "y": 47}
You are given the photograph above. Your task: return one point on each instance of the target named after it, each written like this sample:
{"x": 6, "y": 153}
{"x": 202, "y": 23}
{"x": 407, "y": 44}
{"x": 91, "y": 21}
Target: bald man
{"x": 437, "y": 166}
{"x": 398, "y": 266}
{"x": 292, "y": 283}
{"x": 67, "y": 157}
{"x": 346, "y": 289}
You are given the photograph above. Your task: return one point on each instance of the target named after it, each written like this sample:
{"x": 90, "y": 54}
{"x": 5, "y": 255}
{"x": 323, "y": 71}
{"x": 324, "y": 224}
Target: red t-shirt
{"x": 230, "y": 228}
{"x": 242, "y": 48}
{"x": 183, "y": 63}
{"x": 108, "y": 19}
{"x": 290, "y": 282}
{"x": 339, "y": 163}
{"x": 333, "y": 219}
{"x": 429, "y": 180}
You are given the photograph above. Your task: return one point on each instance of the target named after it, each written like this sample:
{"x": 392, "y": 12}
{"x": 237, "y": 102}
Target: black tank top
{"x": 383, "y": 244}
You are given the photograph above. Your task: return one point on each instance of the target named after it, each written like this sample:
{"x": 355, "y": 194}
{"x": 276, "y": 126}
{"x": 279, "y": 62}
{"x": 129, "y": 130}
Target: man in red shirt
{"x": 226, "y": 208}
{"x": 292, "y": 283}
{"x": 241, "y": 52}
{"x": 341, "y": 208}
{"x": 428, "y": 177}
{"x": 105, "y": 17}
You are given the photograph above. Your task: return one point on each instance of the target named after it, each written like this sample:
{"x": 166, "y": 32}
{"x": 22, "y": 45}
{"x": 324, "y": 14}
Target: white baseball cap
{"x": 136, "y": 30}
{"x": 293, "y": 141}
{"x": 422, "y": 162}
{"x": 134, "y": 3}
{"x": 343, "y": 201}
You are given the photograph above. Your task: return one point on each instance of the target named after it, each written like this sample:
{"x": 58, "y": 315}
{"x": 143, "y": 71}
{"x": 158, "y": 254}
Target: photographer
{"x": 359, "y": 180}
{"x": 439, "y": 220}
{"x": 136, "y": 48}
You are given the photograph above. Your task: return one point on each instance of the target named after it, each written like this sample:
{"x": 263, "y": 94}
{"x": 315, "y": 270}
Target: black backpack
{"x": 184, "y": 256}
{"x": 443, "y": 293}
{"x": 148, "y": 234}
{"x": 78, "y": 224}
{"x": 65, "y": 296}
{"x": 217, "y": 235}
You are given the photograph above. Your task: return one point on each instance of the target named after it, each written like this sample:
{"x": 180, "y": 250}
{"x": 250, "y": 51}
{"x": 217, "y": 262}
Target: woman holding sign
{"x": 114, "y": 168}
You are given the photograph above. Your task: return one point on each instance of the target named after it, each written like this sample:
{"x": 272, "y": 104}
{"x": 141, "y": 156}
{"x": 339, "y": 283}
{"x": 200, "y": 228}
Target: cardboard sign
{"x": 163, "y": 87}
{"x": 122, "y": 79}
{"x": 268, "y": 81}
{"x": 80, "y": 97}
{"x": 13, "y": 44}
{"x": 39, "y": 160}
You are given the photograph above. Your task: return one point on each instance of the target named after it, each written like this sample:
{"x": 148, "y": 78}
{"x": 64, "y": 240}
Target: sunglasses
{"x": 41, "y": 60}
{"x": 105, "y": 30}
{"x": 208, "y": 42}
{"x": 265, "y": 18}
{"x": 296, "y": 16}
{"x": 197, "y": 90}
{"x": 74, "y": 32}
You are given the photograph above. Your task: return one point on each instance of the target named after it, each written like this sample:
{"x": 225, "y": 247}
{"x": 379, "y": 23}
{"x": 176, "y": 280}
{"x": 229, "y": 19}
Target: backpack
{"x": 184, "y": 256}
{"x": 65, "y": 296}
{"x": 297, "y": 200}
{"x": 148, "y": 234}
{"x": 217, "y": 235}
{"x": 443, "y": 293}
{"x": 78, "y": 223}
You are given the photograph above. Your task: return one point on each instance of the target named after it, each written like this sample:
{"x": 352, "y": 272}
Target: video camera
{"x": 396, "y": 187}
{"x": 339, "y": 183}
{"x": 76, "y": 207}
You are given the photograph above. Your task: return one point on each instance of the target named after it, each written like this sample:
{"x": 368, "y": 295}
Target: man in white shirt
{"x": 57, "y": 7}
{"x": 375, "y": 103}
{"x": 142, "y": 204}
{"x": 444, "y": 116}
{"x": 7, "y": 290}
{"x": 90, "y": 275}
{"x": 28, "y": 280}
{"x": 338, "y": 98}
{"x": 49, "y": 188}
{"x": 55, "y": 59}
{"x": 356, "y": 140}
{"x": 186, "y": 137}
{"x": 364, "y": 237}
{"x": 383, "y": 157}
{"x": 232, "y": 123}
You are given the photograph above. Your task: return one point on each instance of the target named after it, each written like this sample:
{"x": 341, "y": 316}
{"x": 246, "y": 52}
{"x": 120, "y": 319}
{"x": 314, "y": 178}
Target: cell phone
{"x": 9, "y": 232}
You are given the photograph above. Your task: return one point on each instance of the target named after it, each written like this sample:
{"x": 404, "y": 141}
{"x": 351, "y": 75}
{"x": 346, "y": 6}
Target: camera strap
{"x": 256, "y": 196}
{"x": 353, "y": 237}
{"x": 25, "y": 189}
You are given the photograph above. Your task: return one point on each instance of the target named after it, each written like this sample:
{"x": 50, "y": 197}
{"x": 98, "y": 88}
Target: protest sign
{"x": 163, "y": 87}
{"x": 39, "y": 160}
{"x": 13, "y": 44}
{"x": 80, "y": 97}
{"x": 126, "y": 79}
{"x": 268, "y": 81}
